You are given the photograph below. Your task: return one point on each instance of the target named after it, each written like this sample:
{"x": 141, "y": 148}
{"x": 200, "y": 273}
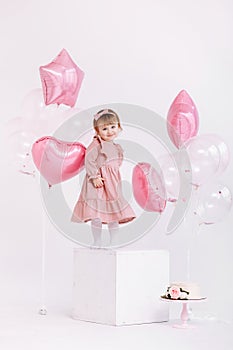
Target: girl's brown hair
{"x": 109, "y": 117}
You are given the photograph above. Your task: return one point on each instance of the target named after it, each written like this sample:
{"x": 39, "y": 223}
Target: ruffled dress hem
{"x": 108, "y": 211}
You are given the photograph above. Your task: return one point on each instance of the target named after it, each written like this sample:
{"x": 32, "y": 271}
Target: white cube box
{"x": 120, "y": 287}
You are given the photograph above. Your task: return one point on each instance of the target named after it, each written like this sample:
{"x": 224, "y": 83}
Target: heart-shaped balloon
{"x": 148, "y": 188}
{"x": 58, "y": 160}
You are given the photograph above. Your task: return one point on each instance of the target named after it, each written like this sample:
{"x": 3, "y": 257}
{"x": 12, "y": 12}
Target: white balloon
{"x": 214, "y": 203}
{"x": 171, "y": 176}
{"x": 32, "y": 104}
{"x": 204, "y": 158}
{"x": 223, "y": 150}
{"x": 19, "y": 151}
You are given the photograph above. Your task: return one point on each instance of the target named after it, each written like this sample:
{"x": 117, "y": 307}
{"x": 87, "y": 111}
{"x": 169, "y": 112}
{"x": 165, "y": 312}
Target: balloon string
{"x": 42, "y": 296}
{"x": 188, "y": 251}
{"x": 43, "y": 258}
{"x": 191, "y": 232}
{"x": 188, "y": 264}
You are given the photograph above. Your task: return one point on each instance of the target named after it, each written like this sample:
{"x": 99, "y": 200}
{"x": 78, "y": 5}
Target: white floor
{"x": 24, "y": 328}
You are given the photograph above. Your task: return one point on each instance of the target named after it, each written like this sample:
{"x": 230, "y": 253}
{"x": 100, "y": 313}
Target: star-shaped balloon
{"x": 61, "y": 80}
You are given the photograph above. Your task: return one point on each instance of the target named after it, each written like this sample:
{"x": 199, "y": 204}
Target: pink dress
{"x": 103, "y": 159}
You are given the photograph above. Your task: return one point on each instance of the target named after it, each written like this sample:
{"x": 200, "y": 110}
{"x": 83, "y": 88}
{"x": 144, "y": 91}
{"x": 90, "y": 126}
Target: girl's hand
{"x": 98, "y": 182}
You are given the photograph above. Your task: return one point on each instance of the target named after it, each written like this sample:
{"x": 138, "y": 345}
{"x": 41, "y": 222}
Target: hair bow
{"x": 98, "y": 115}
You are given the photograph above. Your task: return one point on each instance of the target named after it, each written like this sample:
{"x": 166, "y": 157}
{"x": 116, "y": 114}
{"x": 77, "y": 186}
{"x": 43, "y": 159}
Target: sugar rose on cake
{"x": 175, "y": 292}
{"x": 182, "y": 291}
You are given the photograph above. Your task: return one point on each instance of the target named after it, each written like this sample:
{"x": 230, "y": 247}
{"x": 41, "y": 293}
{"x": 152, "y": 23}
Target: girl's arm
{"x": 91, "y": 163}
{"x": 121, "y": 154}
{"x": 92, "y": 171}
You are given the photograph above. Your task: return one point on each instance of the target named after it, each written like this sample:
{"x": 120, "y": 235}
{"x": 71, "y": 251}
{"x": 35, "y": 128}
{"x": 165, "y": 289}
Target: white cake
{"x": 183, "y": 291}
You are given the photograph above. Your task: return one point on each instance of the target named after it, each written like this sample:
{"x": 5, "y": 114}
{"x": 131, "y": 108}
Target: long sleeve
{"x": 121, "y": 154}
{"x": 91, "y": 163}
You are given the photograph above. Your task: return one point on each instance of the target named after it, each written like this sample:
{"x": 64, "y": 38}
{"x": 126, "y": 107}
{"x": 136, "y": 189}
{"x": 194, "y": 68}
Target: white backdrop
{"x": 139, "y": 52}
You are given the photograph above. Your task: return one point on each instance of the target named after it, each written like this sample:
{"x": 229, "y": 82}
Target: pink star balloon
{"x": 182, "y": 119}
{"x": 61, "y": 80}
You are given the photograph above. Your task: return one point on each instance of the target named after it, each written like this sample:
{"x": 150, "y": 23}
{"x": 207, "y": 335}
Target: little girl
{"x": 101, "y": 199}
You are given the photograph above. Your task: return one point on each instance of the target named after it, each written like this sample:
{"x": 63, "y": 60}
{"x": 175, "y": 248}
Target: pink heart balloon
{"x": 148, "y": 188}
{"x": 58, "y": 160}
{"x": 182, "y": 119}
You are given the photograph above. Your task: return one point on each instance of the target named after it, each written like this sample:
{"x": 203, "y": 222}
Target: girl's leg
{"x": 113, "y": 228}
{"x": 96, "y": 228}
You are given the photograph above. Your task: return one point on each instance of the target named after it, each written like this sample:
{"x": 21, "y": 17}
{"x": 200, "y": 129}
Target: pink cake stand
{"x": 184, "y": 312}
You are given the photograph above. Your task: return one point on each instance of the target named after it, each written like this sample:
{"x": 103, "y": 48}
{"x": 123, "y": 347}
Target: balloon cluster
{"x": 43, "y": 110}
{"x": 208, "y": 155}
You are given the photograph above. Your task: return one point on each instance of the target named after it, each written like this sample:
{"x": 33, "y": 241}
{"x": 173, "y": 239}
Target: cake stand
{"x": 184, "y": 312}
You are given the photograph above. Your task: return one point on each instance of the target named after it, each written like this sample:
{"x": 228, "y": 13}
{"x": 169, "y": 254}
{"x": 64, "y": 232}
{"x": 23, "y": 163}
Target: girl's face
{"x": 108, "y": 132}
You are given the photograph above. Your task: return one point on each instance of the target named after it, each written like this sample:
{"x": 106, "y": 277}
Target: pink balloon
{"x": 214, "y": 203}
{"x": 61, "y": 80}
{"x": 148, "y": 188}
{"x": 182, "y": 119}
{"x": 58, "y": 160}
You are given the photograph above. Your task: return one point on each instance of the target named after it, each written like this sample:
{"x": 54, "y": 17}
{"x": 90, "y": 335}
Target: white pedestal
{"x": 120, "y": 287}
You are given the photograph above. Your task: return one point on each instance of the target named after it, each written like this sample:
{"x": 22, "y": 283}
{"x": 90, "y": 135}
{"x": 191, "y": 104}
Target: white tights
{"x": 96, "y": 228}
{"x": 113, "y": 228}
